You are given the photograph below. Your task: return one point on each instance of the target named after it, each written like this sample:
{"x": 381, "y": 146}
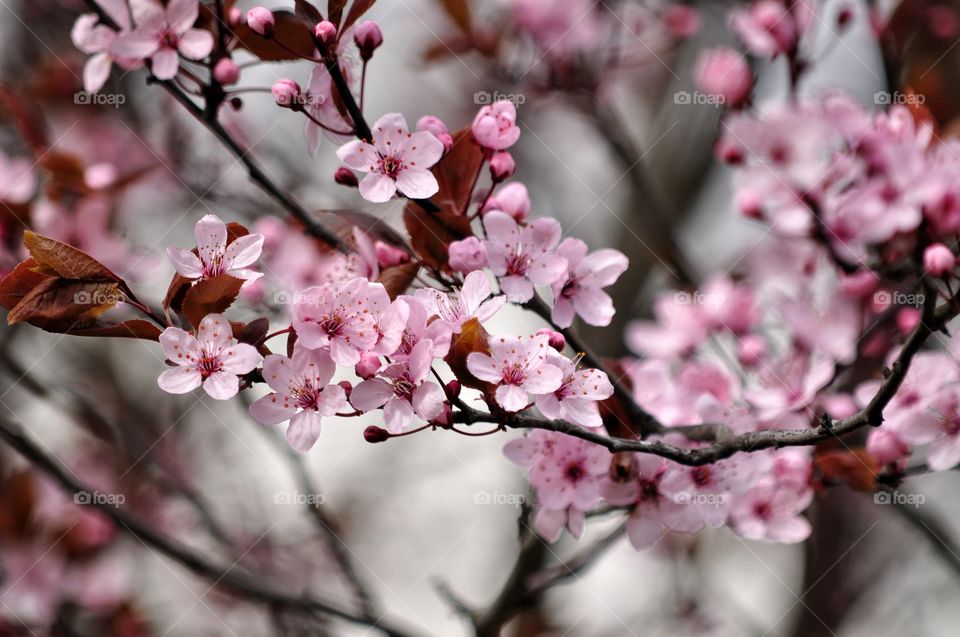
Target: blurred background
{"x": 423, "y": 522}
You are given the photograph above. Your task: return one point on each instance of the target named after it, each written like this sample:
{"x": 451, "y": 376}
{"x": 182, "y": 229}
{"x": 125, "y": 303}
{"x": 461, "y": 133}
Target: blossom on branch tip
{"x": 397, "y": 160}
{"x": 161, "y": 34}
{"x": 207, "y": 359}
{"x": 577, "y": 398}
{"x": 470, "y": 301}
{"x": 495, "y": 126}
{"x": 302, "y": 394}
{"x": 522, "y": 256}
{"x": 214, "y": 256}
{"x": 580, "y": 291}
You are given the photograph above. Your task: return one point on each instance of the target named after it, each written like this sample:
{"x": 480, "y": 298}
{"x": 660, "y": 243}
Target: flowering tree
{"x": 820, "y": 359}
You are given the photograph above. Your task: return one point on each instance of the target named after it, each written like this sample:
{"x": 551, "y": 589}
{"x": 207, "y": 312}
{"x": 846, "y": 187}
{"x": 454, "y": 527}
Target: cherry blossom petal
{"x": 517, "y": 288}
{"x": 582, "y": 412}
{"x": 427, "y": 400}
{"x": 135, "y": 45}
{"x": 475, "y": 290}
{"x": 195, "y": 44}
{"x": 165, "y": 64}
{"x": 511, "y": 397}
{"x": 594, "y": 306}
{"x": 244, "y": 251}
{"x": 604, "y": 267}
{"x": 377, "y": 187}
{"x": 484, "y": 367}
{"x": 214, "y": 333}
{"x": 185, "y": 262}
{"x": 332, "y": 400}
{"x": 543, "y": 380}
{"x": 272, "y": 409}
{"x": 221, "y": 385}
{"x": 370, "y": 394}
{"x": 944, "y": 453}
{"x": 422, "y": 150}
{"x": 358, "y": 155}
{"x": 562, "y": 313}
{"x": 390, "y": 133}
{"x": 397, "y": 414}
{"x": 179, "y": 346}
{"x": 304, "y": 429}
{"x": 549, "y": 524}
{"x": 180, "y": 380}
{"x": 547, "y": 270}
{"x": 277, "y": 372}
{"x": 644, "y": 530}
{"x": 240, "y": 358}
{"x": 181, "y": 14}
{"x": 417, "y": 183}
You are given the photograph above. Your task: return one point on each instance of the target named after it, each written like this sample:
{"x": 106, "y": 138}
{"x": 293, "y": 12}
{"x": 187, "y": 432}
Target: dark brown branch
{"x": 223, "y": 577}
{"x": 934, "y": 319}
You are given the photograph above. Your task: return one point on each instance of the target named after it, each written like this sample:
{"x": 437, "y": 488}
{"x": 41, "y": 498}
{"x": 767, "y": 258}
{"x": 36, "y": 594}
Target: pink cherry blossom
{"x": 519, "y": 367}
{"x": 338, "y": 318}
{"x": 766, "y": 28}
{"x": 790, "y": 384}
{"x": 302, "y": 394}
{"x": 471, "y": 301}
{"x": 214, "y": 257}
{"x": 402, "y": 389}
{"x": 422, "y": 324}
{"x": 163, "y": 32}
{"x": 495, "y": 125}
{"x": 576, "y": 399}
{"x": 398, "y": 160}
{"x": 522, "y": 256}
{"x": 513, "y": 199}
{"x": 724, "y": 72}
{"x": 467, "y": 255}
{"x": 581, "y": 290}
{"x": 654, "y": 513}
{"x": 209, "y": 359}
{"x": 97, "y": 39}
{"x": 770, "y": 512}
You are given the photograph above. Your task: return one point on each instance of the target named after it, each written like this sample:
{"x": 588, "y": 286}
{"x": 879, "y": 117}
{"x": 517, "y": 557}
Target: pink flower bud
{"x": 859, "y": 285}
{"x": 433, "y": 125}
{"x": 728, "y": 151}
{"x": 345, "y": 177}
{"x": 388, "y": 255}
{"x": 751, "y": 350}
{"x": 234, "y": 17}
{"x": 938, "y": 260}
{"x": 845, "y": 16}
{"x": 226, "y": 71}
{"x": 368, "y": 366}
{"x": 907, "y": 319}
{"x": 556, "y": 340}
{"x": 347, "y": 387}
{"x": 502, "y": 166}
{"x": 286, "y": 92}
{"x": 452, "y": 389}
{"x": 725, "y": 73}
{"x": 260, "y": 20}
{"x": 750, "y": 204}
{"x": 682, "y": 21}
{"x": 325, "y": 31}
{"x": 374, "y": 434}
{"x": 886, "y": 446}
{"x": 513, "y": 199}
{"x": 445, "y": 417}
{"x": 368, "y": 37}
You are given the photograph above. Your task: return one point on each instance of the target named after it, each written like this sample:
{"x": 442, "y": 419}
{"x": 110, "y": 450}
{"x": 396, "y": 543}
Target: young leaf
{"x": 289, "y": 29}
{"x": 210, "y": 296}
{"x": 397, "y": 278}
{"x": 56, "y": 305}
{"x": 19, "y": 282}
{"x": 432, "y": 233}
{"x": 66, "y": 261}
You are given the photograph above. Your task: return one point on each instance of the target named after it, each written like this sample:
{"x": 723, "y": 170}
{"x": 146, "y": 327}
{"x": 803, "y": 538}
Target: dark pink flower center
{"x": 209, "y": 364}
{"x": 514, "y": 375}
{"x": 391, "y": 166}
{"x": 306, "y": 395}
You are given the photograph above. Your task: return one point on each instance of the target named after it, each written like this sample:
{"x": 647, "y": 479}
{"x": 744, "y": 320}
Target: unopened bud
{"x": 368, "y": 37}
{"x": 286, "y": 93}
{"x": 345, "y": 177}
{"x": 260, "y": 20}
{"x": 234, "y": 17}
{"x": 502, "y": 166}
{"x": 325, "y": 31}
{"x": 347, "y": 387}
{"x": 226, "y": 71}
{"x": 452, "y": 389}
{"x": 375, "y": 434}
{"x": 556, "y": 340}
{"x": 368, "y": 366}
{"x": 938, "y": 260}
{"x": 907, "y": 319}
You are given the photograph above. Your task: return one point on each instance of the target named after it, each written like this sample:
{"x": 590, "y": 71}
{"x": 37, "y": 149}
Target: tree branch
{"x": 226, "y": 578}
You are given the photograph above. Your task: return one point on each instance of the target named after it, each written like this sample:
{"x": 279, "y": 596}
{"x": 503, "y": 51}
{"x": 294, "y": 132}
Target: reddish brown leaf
{"x": 57, "y": 305}
{"x": 335, "y": 10}
{"x": 432, "y": 233}
{"x": 66, "y": 261}
{"x": 855, "y": 467}
{"x": 173, "y": 299}
{"x": 210, "y": 296}
{"x": 66, "y": 174}
{"x": 289, "y": 29}
{"x": 472, "y": 338}
{"x": 397, "y": 278}
{"x": 19, "y": 282}
{"x": 357, "y": 9}
{"x": 134, "y": 328}
{"x": 254, "y": 331}
{"x": 457, "y": 172}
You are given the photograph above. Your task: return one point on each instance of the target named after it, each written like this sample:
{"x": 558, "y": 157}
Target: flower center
{"x": 332, "y": 324}
{"x": 306, "y": 395}
{"x": 209, "y": 364}
{"x": 514, "y": 375}
{"x": 391, "y": 166}
{"x": 518, "y": 263}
